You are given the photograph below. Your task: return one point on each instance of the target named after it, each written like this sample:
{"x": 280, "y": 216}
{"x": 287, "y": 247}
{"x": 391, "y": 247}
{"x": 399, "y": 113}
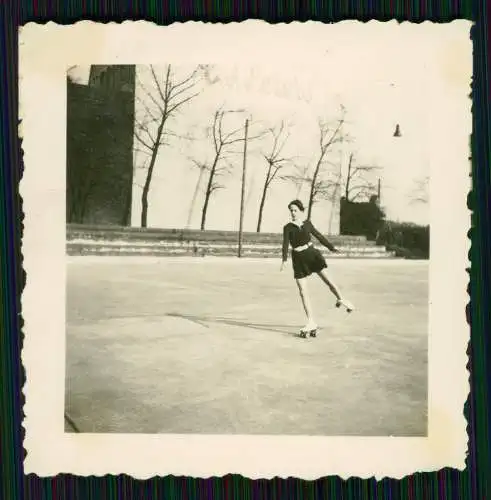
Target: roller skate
{"x": 346, "y": 304}
{"x": 308, "y": 329}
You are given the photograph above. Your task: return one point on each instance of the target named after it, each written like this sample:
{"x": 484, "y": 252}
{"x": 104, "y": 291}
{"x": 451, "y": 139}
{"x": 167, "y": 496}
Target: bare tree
{"x": 319, "y": 186}
{"x": 324, "y": 186}
{"x": 299, "y": 176}
{"x": 420, "y": 193}
{"x": 164, "y": 98}
{"x": 275, "y": 163}
{"x": 224, "y": 143}
{"x": 356, "y": 184}
{"x": 323, "y": 182}
{"x": 202, "y": 170}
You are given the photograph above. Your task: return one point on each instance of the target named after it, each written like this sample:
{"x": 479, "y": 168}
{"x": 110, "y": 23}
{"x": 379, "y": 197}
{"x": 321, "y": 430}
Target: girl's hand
{"x": 282, "y": 265}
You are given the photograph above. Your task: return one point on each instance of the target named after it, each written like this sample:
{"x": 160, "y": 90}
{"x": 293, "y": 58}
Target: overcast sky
{"x": 381, "y": 82}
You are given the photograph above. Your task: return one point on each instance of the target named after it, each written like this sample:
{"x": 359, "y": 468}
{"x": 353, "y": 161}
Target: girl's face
{"x": 295, "y": 212}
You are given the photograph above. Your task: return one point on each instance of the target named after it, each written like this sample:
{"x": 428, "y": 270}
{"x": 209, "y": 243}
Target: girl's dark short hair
{"x": 298, "y": 204}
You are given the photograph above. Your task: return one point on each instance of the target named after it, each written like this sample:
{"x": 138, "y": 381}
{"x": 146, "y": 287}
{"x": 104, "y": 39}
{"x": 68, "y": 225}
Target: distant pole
{"x": 195, "y": 196}
{"x": 378, "y": 191}
{"x": 337, "y": 186}
{"x": 244, "y": 164}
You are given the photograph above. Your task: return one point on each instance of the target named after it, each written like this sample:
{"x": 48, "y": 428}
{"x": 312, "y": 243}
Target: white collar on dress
{"x": 299, "y": 224}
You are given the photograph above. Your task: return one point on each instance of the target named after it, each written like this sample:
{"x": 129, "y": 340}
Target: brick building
{"x": 100, "y": 128}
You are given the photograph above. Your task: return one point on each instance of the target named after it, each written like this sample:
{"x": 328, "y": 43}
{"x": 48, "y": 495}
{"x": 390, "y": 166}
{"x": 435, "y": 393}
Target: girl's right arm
{"x": 285, "y": 246}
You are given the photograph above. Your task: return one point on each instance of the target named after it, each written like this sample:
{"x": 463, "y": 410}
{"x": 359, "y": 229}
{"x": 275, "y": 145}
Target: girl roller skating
{"x": 307, "y": 260}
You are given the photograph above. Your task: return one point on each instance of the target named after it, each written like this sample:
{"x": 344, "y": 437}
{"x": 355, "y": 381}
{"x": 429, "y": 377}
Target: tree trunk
{"x": 144, "y": 210}
{"x": 312, "y": 186}
{"x": 348, "y": 178}
{"x": 263, "y": 200}
{"x": 208, "y": 192}
{"x": 205, "y": 206}
{"x": 195, "y": 196}
{"x": 311, "y": 200}
{"x": 335, "y": 196}
{"x": 148, "y": 180}
{"x": 312, "y": 190}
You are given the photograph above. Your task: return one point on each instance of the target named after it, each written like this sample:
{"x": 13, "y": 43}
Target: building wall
{"x": 100, "y": 121}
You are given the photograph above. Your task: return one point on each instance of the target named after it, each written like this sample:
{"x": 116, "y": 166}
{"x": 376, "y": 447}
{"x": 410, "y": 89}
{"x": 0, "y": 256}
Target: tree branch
{"x": 180, "y": 103}
{"x": 147, "y": 109}
{"x": 152, "y": 98}
{"x": 141, "y": 141}
{"x": 162, "y": 95}
{"x": 234, "y": 132}
{"x": 142, "y": 151}
{"x": 185, "y": 81}
{"x": 142, "y": 126}
{"x": 182, "y": 91}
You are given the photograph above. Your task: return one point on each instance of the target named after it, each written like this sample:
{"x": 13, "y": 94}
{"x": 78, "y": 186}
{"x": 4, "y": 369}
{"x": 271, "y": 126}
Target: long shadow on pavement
{"x": 203, "y": 321}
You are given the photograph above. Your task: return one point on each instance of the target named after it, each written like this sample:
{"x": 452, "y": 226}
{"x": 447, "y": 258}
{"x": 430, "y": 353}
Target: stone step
{"x": 152, "y": 252}
{"x": 104, "y": 248}
{"x": 338, "y": 241}
{"x": 208, "y": 246}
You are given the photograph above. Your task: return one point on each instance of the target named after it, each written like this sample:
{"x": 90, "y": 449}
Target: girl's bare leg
{"x": 335, "y": 290}
{"x": 302, "y": 288}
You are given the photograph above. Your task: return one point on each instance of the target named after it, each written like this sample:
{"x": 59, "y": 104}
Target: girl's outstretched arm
{"x": 323, "y": 240}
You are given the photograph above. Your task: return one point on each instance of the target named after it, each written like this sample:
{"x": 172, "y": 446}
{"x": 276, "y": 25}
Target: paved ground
{"x": 209, "y": 346}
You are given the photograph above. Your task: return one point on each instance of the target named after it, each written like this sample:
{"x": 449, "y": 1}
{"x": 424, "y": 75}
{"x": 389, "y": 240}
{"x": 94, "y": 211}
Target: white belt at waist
{"x": 303, "y": 247}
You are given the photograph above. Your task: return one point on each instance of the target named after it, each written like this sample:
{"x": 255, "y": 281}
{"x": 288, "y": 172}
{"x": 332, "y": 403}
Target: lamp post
{"x": 244, "y": 164}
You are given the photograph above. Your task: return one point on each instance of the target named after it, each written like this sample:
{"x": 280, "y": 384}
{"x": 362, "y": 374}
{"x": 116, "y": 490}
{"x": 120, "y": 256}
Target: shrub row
{"x": 408, "y": 240}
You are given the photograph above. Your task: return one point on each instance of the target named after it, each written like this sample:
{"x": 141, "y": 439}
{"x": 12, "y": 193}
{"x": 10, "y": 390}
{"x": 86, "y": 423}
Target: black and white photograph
{"x": 255, "y": 244}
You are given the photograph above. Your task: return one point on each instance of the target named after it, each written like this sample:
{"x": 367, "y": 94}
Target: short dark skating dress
{"x": 308, "y": 261}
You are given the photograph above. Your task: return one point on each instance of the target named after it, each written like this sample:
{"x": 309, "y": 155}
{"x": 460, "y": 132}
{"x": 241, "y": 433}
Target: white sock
{"x": 310, "y": 325}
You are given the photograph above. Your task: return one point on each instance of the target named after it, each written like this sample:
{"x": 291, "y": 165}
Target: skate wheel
{"x": 303, "y": 335}
{"x": 313, "y": 333}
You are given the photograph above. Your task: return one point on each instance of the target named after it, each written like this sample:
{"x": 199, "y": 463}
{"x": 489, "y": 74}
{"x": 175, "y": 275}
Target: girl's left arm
{"x": 322, "y": 239}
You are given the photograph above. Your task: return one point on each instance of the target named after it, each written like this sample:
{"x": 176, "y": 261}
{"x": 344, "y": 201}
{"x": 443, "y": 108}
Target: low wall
{"x": 110, "y": 240}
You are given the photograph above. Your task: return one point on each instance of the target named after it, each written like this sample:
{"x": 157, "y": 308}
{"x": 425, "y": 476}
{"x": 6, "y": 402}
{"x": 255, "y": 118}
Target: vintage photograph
{"x": 248, "y": 249}
{"x": 252, "y": 264}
